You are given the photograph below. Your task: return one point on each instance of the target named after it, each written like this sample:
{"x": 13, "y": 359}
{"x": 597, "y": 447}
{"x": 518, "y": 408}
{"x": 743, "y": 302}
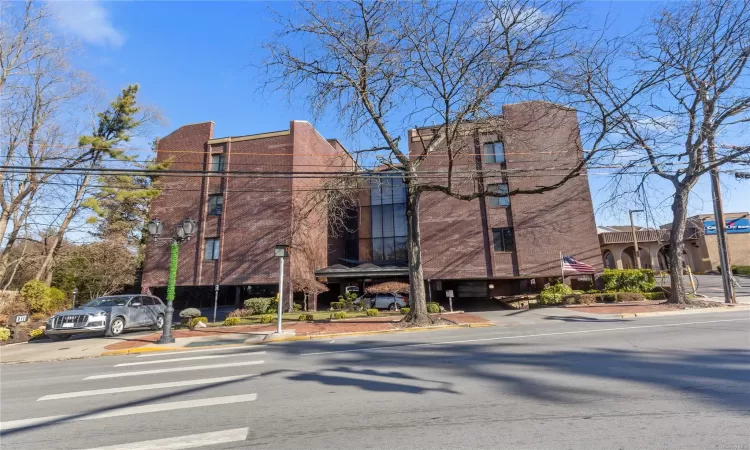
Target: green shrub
{"x": 628, "y": 280}
{"x": 372, "y": 312}
{"x": 259, "y": 305}
{"x": 58, "y": 300}
{"x": 194, "y": 321}
{"x": 630, "y": 297}
{"x": 189, "y": 313}
{"x": 36, "y": 332}
{"x": 338, "y": 305}
{"x": 405, "y": 310}
{"x": 654, "y": 295}
{"x": 433, "y": 308}
{"x": 554, "y": 294}
{"x": 339, "y": 315}
{"x": 309, "y": 317}
{"x": 36, "y": 295}
{"x": 741, "y": 270}
{"x": 4, "y": 334}
{"x": 229, "y": 321}
{"x": 296, "y": 307}
{"x": 571, "y": 299}
{"x": 608, "y": 297}
{"x": 266, "y": 318}
{"x": 240, "y": 313}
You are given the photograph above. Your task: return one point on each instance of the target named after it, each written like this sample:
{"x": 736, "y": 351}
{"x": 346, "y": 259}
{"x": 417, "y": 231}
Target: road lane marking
{"x": 180, "y": 442}
{"x": 145, "y": 387}
{"x": 171, "y": 369}
{"x": 190, "y": 358}
{"x": 430, "y": 344}
{"x": 182, "y": 352}
{"x": 128, "y": 411}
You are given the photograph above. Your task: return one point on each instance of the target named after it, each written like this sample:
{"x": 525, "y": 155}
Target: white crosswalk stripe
{"x": 171, "y": 369}
{"x": 129, "y": 410}
{"x": 180, "y": 442}
{"x": 189, "y": 358}
{"x": 146, "y": 387}
{"x": 182, "y": 352}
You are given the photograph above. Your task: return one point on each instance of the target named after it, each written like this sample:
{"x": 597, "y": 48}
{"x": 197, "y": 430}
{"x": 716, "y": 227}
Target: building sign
{"x": 734, "y": 226}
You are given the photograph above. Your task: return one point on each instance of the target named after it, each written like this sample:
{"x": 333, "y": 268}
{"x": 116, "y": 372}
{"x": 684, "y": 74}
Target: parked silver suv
{"x": 111, "y": 315}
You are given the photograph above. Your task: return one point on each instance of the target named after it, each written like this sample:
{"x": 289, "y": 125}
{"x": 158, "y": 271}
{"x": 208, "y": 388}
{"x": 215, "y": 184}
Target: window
{"x": 503, "y": 239}
{"x": 501, "y": 188}
{"x": 147, "y": 301}
{"x": 217, "y": 163}
{"x": 494, "y": 152}
{"x": 211, "y": 251}
{"x": 388, "y": 217}
{"x": 215, "y": 204}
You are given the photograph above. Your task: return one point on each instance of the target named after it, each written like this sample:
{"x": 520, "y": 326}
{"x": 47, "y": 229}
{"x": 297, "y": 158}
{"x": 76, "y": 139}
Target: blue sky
{"x": 195, "y": 62}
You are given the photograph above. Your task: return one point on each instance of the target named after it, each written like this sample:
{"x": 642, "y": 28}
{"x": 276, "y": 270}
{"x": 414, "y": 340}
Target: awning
{"x": 366, "y": 270}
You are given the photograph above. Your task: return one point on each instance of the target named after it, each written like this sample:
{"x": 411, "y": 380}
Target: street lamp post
{"x": 280, "y": 251}
{"x": 183, "y": 232}
{"x": 75, "y": 294}
{"x": 635, "y": 239}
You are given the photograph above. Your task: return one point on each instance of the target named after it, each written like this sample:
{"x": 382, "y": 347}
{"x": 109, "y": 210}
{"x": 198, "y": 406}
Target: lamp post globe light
{"x": 183, "y": 232}
{"x": 280, "y": 251}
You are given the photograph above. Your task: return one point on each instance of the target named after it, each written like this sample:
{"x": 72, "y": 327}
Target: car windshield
{"x": 108, "y": 301}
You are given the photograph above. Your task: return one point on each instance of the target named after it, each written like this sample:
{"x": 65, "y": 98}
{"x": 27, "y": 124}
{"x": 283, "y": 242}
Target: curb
{"x": 397, "y": 330}
{"x": 684, "y": 311}
{"x": 131, "y": 351}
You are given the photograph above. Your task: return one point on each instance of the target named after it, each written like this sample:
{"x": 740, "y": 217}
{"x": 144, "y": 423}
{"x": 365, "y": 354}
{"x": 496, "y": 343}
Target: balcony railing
{"x": 626, "y": 237}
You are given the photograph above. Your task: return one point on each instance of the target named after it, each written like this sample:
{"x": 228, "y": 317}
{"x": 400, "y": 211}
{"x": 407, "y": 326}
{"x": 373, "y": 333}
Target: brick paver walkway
{"x": 363, "y": 324}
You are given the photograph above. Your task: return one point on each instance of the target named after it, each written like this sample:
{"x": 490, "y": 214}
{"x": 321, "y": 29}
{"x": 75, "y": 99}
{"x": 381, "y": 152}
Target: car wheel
{"x": 392, "y": 306}
{"x": 59, "y": 337}
{"x": 159, "y": 323}
{"x": 116, "y": 326}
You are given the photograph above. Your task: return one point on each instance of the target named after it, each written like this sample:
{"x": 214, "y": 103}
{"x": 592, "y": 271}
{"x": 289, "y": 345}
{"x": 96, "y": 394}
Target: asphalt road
{"x": 678, "y": 382}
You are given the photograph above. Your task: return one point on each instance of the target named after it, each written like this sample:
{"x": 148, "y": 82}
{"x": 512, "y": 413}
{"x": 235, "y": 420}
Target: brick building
{"x": 490, "y": 246}
{"x": 482, "y": 248}
{"x": 241, "y": 213}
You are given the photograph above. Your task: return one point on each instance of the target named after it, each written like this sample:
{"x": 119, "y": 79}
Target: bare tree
{"x": 671, "y": 103}
{"x": 38, "y": 89}
{"x": 454, "y": 61}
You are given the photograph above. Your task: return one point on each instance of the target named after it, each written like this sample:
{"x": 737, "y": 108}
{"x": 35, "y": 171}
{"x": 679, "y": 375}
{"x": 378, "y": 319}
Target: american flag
{"x": 571, "y": 265}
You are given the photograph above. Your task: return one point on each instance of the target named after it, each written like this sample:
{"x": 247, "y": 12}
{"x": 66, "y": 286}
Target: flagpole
{"x": 562, "y": 268}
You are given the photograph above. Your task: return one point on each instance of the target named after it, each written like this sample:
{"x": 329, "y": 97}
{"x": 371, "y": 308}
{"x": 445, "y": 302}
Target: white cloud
{"x": 87, "y": 20}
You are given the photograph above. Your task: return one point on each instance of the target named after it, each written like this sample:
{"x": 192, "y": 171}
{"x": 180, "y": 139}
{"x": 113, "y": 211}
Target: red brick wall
{"x": 180, "y": 199}
{"x": 457, "y": 234}
{"x": 257, "y": 211}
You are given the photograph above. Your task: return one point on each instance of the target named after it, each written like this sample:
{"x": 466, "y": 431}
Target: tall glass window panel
{"x": 377, "y": 221}
{"x": 401, "y": 251}
{"x": 389, "y": 249}
{"x": 377, "y": 249}
{"x": 388, "y": 220}
{"x": 399, "y": 220}
{"x": 399, "y": 191}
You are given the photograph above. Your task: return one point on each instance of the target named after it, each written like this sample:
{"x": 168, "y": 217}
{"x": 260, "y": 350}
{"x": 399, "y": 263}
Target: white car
{"x": 382, "y": 301}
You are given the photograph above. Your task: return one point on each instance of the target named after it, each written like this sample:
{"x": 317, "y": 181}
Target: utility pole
{"x": 721, "y": 232}
{"x": 637, "y": 252}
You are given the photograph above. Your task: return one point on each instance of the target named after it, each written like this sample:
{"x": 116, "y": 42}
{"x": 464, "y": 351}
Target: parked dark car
{"x": 110, "y": 315}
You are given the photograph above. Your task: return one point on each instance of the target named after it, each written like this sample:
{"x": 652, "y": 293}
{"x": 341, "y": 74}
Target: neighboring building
{"x": 241, "y": 216}
{"x": 701, "y": 248}
{"x": 491, "y": 246}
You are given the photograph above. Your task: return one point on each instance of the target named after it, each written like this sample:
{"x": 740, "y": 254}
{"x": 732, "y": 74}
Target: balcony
{"x": 626, "y": 237}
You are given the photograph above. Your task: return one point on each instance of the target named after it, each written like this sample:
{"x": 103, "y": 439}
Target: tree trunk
{"x": 677, "y": 246}
{"x": 417, "y": 302}
{"x": 46, "y": 268}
